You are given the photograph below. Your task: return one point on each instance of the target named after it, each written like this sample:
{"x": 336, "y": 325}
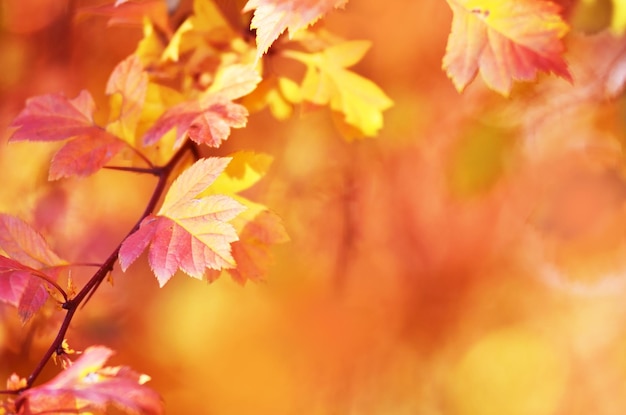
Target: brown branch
{"x": 149, "y": 170}
{"x": 94, "y": 282}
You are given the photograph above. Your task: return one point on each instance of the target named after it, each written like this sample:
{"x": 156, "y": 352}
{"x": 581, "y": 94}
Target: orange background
{"x": 456, "y": 264}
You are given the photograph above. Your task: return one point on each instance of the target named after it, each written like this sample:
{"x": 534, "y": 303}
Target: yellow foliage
{"x": 328, "y": 82}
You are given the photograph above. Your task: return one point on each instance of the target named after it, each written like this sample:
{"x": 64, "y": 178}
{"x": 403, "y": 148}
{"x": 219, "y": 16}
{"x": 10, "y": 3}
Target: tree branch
{"x": 72, "y": 305}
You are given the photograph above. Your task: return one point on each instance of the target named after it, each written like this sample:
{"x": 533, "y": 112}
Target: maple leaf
{"x": 87, "y": 386}
{"x": 28, "y": 254}
{"x": 257, "y": 227}
{"x": 209, "y": 119}
{"x": 187, "y": 233}
{"x": 504, "y": 40}
{"x": 54, "y": 117}
{"x": 127, "y": 87}
{"x": 272, "y": 17}
{"x": 327, "y": 81}
{"x": 206, "y": 121}
{"x": 252, "y": 252}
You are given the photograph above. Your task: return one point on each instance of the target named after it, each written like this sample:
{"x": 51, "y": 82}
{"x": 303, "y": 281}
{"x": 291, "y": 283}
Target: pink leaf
{"x": 87, "y": 386}
{"x": 54, "y": 117}
{"x": 85, "y": 155}
{"x": 208, "y": 122}
{"x": 24, "y": 244}
{"x": 28, "y": 254}
{"x": 504, "y": 40}
{"x": 273, "y": 17}
{"x": 187, "y": 233}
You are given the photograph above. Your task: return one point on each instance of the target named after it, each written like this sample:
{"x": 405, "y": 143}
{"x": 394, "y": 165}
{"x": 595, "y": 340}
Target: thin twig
{"x": 149, "y": 170}
{"x": 71, "y": 305}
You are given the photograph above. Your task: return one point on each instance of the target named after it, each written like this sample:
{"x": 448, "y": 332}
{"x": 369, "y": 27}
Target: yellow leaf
{"x": 234, "y": 81}
{"x": 277, "y": 93}
{"x": 206, "y": 24}
{"x": 151, "y": 47}
{"x": 618, "y": 22}
{"x": 158, "y": 99}
{"x": 245, "y": 169}
{"x": 327, "y": 81}
{"x": 127, "y": 88}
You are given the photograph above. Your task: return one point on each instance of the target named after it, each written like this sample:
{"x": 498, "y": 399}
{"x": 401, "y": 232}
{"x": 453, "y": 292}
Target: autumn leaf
{"x": 87, "y": 386}
{"x": 207, "y": 24}
{"x": 234, "y": 81}
{"x": 130, "y": 12}
{"x": 258, "y": 228}
{"x": 13, "y": 280}
{"x": 276, "y": 92}
{"x": 207, "y": 121}
{"x": 127, "y": 87}
{"x": 272, "y": 17}
{"x": 252, "y": 252}
{"x": 189, "y": 233}
{"x": 54, "y": 117}
{"x": 327, "y": 81}
{"x": 505, "y": 40}
{"x": 84, "y": 155}
{"x": 27, "y": 254}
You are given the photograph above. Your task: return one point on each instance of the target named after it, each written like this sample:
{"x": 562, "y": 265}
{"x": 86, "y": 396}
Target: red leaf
{"x": 206, "y": 122}
{"x": 28, "y": 254}
{"x": 85, "y": 155}
{"x": 24, "y": 244}
{"x": 20, "y": 288}
{"x": 187, "y": 233}
{"x": 54, "y": 117}
{"x": 86, "y": 386}
{"x": 213, "y": 126}
{"x": 504, "y": 40}
{"x": 272, "y": 17}
{"x": 13, "y": 280}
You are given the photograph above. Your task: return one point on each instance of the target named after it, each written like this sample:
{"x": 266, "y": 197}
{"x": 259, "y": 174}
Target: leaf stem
{"x": 50, "y": 281}
{"x": 72, "y": 305}
{"x": 142, "y": 156}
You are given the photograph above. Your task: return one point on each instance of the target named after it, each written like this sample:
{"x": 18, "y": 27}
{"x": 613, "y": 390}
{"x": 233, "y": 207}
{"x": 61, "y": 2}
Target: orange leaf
{"x": 252, "y": 251}
{"x": 272, "y": 17}
{"x": 187, "y": 233}
{"x": 504, "y": 40}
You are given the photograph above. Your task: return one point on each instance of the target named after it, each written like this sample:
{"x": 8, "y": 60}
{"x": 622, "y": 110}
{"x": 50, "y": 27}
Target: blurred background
{"x": 470, "y": 260}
